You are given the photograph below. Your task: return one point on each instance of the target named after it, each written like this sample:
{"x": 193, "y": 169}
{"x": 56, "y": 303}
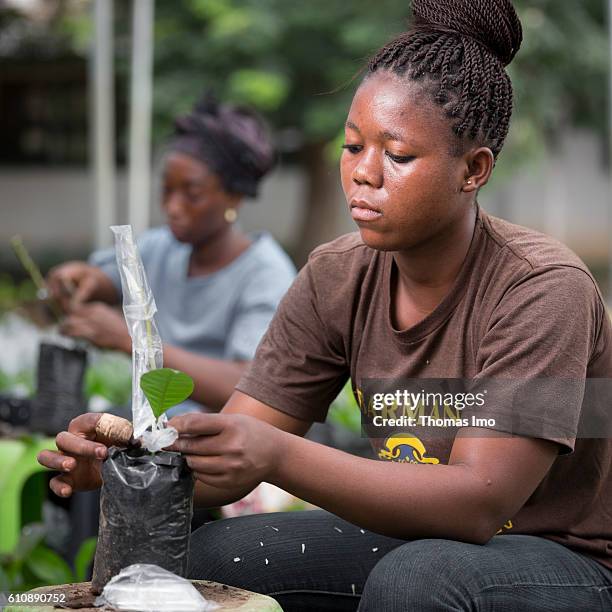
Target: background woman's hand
{"x": 229, "y": 450}
{"x": 76, "y": 282}
{"x": 102, "y": 325}
{"x": 79, "y": 456}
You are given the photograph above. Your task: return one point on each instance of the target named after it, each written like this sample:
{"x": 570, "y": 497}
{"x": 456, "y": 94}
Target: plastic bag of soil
{"x": 59, "y": 394}
{"x": 146, "y": 506}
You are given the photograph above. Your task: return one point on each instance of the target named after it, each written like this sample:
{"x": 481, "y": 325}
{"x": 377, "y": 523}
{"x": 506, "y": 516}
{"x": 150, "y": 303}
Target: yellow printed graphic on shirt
{"x": 506, "y": 526}
{"x": 403, "y": 448}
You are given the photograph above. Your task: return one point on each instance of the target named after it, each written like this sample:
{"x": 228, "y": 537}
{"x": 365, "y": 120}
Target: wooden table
{"x": 79, "y": 596}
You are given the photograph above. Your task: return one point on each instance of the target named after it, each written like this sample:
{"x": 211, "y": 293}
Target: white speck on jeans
{"x": 267, "y": 562}
{"x": 261, "y": 543}
{"x": 338, "y": 529}
{"x": 275, "y": 529}
{"x": 375, "y": 549}
{"x": 303, "y": 548}
{"x": 353, "y": 587}
{"x": 236, "y": 559}
{"x": 362, "y": 531}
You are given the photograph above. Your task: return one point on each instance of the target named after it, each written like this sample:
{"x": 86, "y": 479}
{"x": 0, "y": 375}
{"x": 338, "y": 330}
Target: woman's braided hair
{"x": 461, "y": 48}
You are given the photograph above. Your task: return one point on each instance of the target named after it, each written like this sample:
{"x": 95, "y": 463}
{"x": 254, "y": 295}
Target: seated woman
{"x": 511, "y": 512}
{"x": 216, "y": 288}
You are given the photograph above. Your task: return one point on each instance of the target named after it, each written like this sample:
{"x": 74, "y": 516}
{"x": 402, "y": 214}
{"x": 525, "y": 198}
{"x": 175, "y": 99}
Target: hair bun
{"x": 493, "y": 23}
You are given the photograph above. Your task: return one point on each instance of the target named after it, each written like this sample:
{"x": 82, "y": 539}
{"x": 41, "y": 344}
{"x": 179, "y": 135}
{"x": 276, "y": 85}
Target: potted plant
{"x": 146, "y": 502}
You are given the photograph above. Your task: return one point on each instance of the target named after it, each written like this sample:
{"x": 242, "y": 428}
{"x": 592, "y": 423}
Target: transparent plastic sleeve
{"x": 147, "y": 351}
{"x": 149, "y": 588}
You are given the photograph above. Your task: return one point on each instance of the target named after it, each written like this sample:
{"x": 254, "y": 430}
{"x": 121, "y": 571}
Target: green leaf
{"x": 49, "y": 566}
{"x": 5, "y": 584}
{"x": 265, "y": 90}
{"x": 31, "y": 536}
{"x": 84, "y": 559}
{"x": 165, "y": 388}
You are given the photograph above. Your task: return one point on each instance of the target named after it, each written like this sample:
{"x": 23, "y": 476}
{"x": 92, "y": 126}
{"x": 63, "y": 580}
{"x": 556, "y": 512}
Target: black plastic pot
{"x": 146, "y": 506}
{"x": 15, "y": 411}
{"x": 59, "y": 394}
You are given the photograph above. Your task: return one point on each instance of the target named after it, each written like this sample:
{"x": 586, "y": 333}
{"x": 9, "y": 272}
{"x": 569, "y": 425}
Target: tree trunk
{"x": 321, "y": 200}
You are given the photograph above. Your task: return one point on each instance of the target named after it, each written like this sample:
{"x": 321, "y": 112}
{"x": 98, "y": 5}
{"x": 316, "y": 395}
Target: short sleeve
{"x": 258, "y": 303}
{"x": 300, "y": 365}
{"x": 534, "y": 356}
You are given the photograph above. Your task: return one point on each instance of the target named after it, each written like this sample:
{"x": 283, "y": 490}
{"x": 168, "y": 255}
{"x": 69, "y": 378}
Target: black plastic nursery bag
{"x": 146, "y": 506}
{"x": 59, "y": 394}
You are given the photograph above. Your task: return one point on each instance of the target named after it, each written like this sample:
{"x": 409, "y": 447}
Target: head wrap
{"x": 232, "y": 141}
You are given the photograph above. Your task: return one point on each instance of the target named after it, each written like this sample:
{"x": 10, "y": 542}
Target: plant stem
{"x": 33, "y": 270}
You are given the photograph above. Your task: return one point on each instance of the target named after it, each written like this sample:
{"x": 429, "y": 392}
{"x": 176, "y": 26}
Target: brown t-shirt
{"x": 523, "y": 308}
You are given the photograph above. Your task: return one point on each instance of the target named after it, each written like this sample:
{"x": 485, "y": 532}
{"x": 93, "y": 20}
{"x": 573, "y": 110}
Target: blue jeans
{"x": 315, "y": 561}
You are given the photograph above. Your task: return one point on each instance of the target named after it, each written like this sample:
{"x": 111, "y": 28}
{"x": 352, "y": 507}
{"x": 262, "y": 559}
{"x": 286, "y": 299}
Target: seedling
{"x": 165, "y": 388}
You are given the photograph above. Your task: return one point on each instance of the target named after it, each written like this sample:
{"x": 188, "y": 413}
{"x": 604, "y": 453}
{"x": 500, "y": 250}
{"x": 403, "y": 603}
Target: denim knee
{"x": 215, "y": 553}
{"x": 419, "y": 575}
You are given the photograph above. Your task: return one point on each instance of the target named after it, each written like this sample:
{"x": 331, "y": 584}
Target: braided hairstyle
{"x": 459, "y": 49}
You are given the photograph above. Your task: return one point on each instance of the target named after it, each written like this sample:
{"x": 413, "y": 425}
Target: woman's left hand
{"x": 229, "y": 450}
{"x": 99, "y": 323}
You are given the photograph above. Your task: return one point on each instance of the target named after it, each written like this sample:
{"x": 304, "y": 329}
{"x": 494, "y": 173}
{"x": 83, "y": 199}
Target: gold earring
{"x": 230, "y": 215}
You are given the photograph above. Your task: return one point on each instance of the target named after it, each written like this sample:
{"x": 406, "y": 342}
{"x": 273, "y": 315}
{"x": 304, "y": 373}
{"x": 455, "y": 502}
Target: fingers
{"x": 80, "y": 447}
{"x": 85, "y": 290}
{"x": 63, "y": 486}
{"x": 199, "y": 424}
{"x": 85, "y": 425}
{"x": 207, "y": 465}
{"x": 56, "y": 461}
{"x": 199, "y": 445}
{"x": 73, "y": 326}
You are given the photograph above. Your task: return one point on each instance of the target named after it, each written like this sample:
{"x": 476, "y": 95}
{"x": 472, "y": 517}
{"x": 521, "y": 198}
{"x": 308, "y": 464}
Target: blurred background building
{"x": 65, "y": 156}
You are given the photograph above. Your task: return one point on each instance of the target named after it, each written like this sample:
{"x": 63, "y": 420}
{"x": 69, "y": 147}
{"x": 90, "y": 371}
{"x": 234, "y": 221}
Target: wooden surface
{"x": 79, "y": 596}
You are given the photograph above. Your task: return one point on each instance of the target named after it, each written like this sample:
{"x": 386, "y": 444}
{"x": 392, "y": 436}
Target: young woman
{"x": 216, "y": 288}
{"x": 431, "y": 288}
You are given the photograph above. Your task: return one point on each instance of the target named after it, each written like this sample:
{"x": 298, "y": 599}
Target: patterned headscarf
{"x": 233, "y": 141}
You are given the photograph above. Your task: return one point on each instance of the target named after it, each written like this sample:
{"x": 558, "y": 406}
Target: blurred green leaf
{"x": 49, "y": 566}
{"x": 110, "y": 376}
{"x": 84, "y": 558}
{"x": 5, "y": 584}
{"x": 31, "y": 536}
{"x": 265, "y": 90}
{"x": 165, "y": 388}
{"x": 344, "y": 410}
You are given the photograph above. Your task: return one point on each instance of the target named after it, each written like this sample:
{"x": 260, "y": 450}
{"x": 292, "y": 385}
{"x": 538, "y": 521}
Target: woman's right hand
{"x": 75, "y": 282}
{"x": 79, "y": 457}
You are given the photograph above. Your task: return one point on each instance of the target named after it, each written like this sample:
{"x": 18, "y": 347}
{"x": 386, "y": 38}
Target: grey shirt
{"x": 221, "y": 315}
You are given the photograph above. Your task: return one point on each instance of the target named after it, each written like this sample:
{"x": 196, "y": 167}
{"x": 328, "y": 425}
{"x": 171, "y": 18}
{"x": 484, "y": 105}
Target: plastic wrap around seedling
{"x": 150, "y": 588}
{"x": 147, "y": 350}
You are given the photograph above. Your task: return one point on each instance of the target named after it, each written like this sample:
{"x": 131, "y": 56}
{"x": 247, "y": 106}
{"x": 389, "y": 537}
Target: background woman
{"x": 216, "y": 288}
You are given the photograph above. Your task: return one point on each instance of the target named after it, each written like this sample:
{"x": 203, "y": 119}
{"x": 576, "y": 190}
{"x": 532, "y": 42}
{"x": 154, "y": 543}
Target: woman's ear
{"x": 480, "y": 164}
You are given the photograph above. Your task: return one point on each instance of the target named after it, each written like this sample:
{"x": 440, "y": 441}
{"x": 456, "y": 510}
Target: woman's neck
{"x": 217, "y": 252}
{"x": 427, "y": 272}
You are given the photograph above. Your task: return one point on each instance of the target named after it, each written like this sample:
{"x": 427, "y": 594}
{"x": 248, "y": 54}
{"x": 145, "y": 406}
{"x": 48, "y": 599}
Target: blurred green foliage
{"x": 13, "y": 293}
{"x": 110, "y": 377}
{"x": 33, "y": 564}
{"x": 344, "y": 410}
{"x": 297, "y": 62}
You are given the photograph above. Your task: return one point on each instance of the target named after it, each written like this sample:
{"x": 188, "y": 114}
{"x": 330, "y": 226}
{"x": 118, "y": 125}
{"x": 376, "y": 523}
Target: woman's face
{"x": 194, "y": 199}
{"x": 401, "y": 181}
